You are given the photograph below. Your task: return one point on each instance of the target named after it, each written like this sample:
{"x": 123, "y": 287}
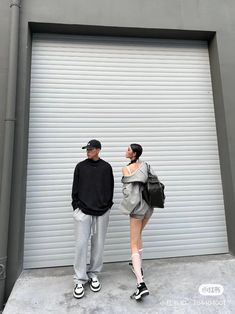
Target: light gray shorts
{"x": 142, "y": 214}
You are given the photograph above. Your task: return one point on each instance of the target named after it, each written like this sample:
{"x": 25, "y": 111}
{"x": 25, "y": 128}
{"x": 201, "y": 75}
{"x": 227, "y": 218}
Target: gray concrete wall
{"x": 165, "y": 18}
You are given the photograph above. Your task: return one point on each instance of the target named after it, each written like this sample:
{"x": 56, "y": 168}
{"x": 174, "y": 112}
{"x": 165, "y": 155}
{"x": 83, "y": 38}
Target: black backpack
{"x": 153, "y": 192}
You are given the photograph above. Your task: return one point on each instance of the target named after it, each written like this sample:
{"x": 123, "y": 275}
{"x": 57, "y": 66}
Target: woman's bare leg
{"x": 144, "y": 223}
{"x": 136, "y": 228}
{"x": 135, "y": 235}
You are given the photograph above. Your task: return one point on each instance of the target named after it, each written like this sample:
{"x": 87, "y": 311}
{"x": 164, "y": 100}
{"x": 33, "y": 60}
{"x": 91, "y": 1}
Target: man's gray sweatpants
{"x": 86, "y": 226}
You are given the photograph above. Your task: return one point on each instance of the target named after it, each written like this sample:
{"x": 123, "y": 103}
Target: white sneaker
{"x": 78, "y": 291}
{"x": 95, "y": 284}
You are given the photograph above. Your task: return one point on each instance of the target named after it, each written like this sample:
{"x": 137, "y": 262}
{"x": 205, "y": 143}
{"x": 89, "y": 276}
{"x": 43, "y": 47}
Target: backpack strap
{"x": 148, "y": 167}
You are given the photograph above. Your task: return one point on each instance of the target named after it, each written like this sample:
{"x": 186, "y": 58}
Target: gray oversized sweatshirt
{"x": 132, "y": 191}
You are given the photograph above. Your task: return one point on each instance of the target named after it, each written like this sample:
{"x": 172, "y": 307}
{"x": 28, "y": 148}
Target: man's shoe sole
{"x": 95, "y": 289}
{"x": 78, "y": 296}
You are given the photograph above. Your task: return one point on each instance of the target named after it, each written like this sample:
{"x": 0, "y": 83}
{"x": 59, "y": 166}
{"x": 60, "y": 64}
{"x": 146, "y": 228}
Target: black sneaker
{"x": 78, "y": 291}
{"x": 140, "y": 292}
{"x": 132, "y": 268}
{"x": 95, "y": 284}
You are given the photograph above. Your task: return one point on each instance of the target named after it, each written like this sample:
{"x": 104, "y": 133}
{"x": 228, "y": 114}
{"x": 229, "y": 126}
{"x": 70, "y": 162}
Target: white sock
{"x": 141, "y": 255}
{"x": 136, "y": 262}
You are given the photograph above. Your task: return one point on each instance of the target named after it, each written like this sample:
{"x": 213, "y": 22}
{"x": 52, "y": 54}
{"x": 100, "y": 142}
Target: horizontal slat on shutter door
{"x": 123, "y": 90}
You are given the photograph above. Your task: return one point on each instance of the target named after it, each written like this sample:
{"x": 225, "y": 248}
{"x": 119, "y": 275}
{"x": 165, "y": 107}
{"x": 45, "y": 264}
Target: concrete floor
{"x": 173, "y": 284}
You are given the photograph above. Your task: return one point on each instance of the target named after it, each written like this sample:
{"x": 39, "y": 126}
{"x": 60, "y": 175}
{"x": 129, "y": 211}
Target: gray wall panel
{"x": 4, "y": 39}
{"x": 223, "y": 139}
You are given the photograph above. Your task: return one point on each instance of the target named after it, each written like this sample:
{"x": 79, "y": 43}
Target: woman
{"x": 134, "y": 175}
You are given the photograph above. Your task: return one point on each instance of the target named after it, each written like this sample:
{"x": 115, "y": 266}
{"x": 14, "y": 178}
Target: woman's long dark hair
{"x": 136, "y": 148}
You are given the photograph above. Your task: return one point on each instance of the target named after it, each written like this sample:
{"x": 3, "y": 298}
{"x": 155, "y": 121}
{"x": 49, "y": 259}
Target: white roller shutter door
{"x": 123, "y": 90}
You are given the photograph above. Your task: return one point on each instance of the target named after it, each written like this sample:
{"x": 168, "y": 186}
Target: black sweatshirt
{"x": 93, "y": 186}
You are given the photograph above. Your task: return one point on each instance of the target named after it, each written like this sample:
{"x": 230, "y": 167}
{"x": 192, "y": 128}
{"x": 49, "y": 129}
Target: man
{"x": 92, "y": 198}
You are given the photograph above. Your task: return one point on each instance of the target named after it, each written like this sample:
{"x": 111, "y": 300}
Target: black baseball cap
{"x": 92, "y": 144}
